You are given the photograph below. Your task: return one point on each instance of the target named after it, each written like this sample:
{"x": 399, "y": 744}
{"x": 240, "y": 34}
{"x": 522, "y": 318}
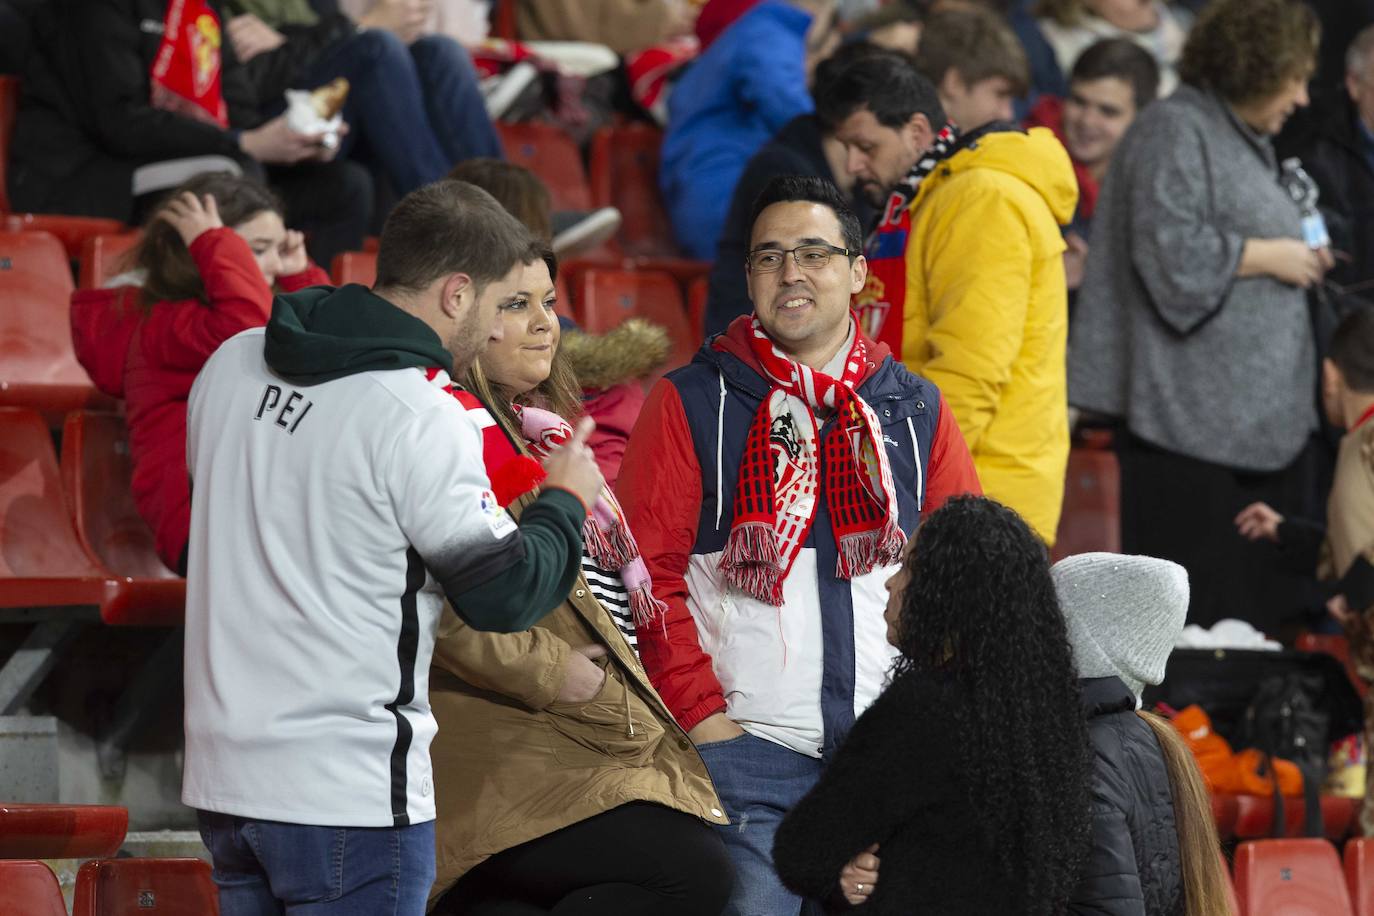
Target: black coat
{"x": 1332, "y": 156}
{"x": 1133, "y": 867}
{"x": 794, "y": 150}
{"x": 897, "y": 781}
{"x": 85, "y": 118}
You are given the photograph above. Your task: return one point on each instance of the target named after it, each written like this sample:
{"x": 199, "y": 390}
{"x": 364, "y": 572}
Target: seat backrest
{"x": 1359, "y": 874}
{"x": 1232, "y": 902}
{"x": 9, "y": 111}
{"x": 1300, "y": 877}
{"x": 551, "y": 154}
{"x": 103, "y": 257}
{"x": 37, "y": 539}
{"x": 1091, "y": 517}
{"x": 624, "y": 175}
{"x": 35, "y": 335}
{"x": 605, "y": 298}
{"x": 96, "y": 476}
{"x": 354, "y": 267}
{"x": 145, "y": 887}
{"x": 30, "y": 889}
{"x": 71, "y": 231}
{"x": 60, "y": 831}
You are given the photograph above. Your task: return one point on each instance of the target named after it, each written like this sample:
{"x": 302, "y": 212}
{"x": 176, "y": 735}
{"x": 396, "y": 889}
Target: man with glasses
{"x": 771, "y": 485}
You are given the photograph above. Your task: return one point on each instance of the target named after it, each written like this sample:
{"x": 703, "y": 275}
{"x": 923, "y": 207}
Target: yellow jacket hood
{"x": 1035, "y": 156}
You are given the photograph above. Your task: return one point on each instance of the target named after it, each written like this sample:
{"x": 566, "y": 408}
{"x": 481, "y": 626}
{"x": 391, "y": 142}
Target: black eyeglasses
{"x": 810, "y": 257}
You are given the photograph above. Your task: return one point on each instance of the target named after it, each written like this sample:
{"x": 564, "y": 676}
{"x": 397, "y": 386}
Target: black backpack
{"x": 1285, "y": 719}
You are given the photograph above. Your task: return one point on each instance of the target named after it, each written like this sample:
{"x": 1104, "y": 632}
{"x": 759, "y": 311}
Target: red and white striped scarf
{"x": 779, "y": 478}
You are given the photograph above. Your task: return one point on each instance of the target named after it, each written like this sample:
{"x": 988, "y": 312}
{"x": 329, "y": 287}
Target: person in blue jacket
{"x": 749, "y": 83}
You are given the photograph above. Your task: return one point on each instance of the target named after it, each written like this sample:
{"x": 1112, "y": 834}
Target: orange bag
{"x": 1226, "y": 771}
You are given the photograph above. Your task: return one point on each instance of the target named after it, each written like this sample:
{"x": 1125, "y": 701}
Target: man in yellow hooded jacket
{"x": 966, "y": 281}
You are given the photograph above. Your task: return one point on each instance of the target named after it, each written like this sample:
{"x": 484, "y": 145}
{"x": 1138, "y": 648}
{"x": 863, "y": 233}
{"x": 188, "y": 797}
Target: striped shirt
{"x": 607, "y": 588}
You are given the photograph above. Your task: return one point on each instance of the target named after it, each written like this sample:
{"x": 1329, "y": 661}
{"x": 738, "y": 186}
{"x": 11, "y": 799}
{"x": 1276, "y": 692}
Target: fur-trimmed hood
{"x": 628, "y": 352}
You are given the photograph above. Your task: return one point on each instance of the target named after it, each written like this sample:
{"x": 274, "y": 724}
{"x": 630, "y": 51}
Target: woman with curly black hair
{"x": 969, "y": 776}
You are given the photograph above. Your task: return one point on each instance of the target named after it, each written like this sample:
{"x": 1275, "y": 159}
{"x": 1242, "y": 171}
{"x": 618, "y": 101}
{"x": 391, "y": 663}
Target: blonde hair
{"x": 1199, "y": 847}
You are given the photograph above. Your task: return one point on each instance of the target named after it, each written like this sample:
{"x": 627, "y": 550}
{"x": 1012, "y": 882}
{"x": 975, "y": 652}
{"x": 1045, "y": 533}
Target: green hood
{"x": 320, "y": 334}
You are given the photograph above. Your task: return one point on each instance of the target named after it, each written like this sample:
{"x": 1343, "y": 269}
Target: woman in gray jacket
{"x": 1192, "y": 324}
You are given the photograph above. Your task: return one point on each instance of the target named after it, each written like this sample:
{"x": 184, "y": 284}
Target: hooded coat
{"x": 150, "y": 358}
{"x": 985, "y": 314}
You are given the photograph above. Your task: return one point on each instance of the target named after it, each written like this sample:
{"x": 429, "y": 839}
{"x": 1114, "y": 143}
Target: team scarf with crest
{"x": 780, "y": 476}
{"x": 880, "y": 304}
{"x": 606, "y": 535}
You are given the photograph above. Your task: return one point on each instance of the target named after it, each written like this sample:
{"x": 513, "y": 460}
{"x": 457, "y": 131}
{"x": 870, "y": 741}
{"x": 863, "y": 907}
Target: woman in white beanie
{"x": 1155, "y": 849}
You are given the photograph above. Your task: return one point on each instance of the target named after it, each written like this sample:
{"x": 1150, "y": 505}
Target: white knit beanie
{"x": 1124, "y": 614}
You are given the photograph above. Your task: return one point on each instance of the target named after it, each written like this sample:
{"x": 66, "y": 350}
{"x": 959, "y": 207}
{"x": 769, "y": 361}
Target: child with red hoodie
{"x": 204, "y": 270}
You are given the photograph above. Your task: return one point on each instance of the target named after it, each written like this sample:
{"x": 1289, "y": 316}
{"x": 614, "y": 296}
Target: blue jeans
{"x": 420, "y": 108}
{"x": 268, "y": 867}
{"x": 758, "y": 781}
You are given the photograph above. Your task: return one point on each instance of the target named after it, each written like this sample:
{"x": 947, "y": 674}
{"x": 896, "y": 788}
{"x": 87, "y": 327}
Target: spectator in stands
{"x": 739, "y": 546}
{"x": 975, "y": 63}
{"x": 1192, "y": 311}
{"x": 96, "y": 121}
{"x": 1154, "y": 842}
{"x": 1339, "y": 155}
{"x": 340, "y": 497}
{"x": 732, "y": 99}
{"x": 802, "y": 147}
{"x": 576, "y": 759}
{"x": 15, "y": 35}
{"x": 1342, "y": 552}
{"x": 206, "y": 268}
{"x": 1109, "y": 84}
{"x": 1071, "y": 26}
{"x": 969, "y": 774}
{"x": 966, "y": 280}
{"x": 414, "y": 97}
{"x": 609, "y": 366}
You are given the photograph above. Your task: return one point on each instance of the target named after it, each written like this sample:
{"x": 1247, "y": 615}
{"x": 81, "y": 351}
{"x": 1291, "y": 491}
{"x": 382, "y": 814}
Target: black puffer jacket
{"x": 1133, "y": 868}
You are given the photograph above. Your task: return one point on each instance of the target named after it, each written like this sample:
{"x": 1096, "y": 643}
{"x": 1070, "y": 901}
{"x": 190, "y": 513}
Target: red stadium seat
{"x": 145, "y": 887}
{"x": 1224, "y": 811}
{"x": 38, "y": 368}
{"x": 30, "y": 889}
{"x": 1091, "y": 518}
{"x": 60, "y": 831}
{"x": 1359, "y": 874}
{"x": 71, "y": 231}
{"x": 103, "y": 257}
{"x": 96, "y": 473}
{"x": 1336, "y": 646}
{"x": 1255, "y": 816}
{"x": 1231, "y": 901}
{"x": 696, "y": 305}
{"x": 9, "y": 111}
{"x": 42, "y": 562}
{"x": 552, "y": 155}
{"x": 1290, "y": 878}
{"x": 624, "y": 175}
{"x": 605, "y": 298}
{"x": 354, "y": 267}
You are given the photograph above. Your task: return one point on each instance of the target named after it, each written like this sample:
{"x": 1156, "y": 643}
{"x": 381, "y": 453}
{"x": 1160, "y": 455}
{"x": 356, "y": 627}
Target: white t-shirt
{"x": 320, "y": 518}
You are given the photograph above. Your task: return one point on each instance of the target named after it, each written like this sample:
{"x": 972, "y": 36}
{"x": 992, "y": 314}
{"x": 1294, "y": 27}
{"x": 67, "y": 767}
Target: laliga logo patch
{"x": 497, "y": 518}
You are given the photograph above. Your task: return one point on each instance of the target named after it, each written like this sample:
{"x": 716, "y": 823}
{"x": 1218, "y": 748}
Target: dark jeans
{"x": 419, "y": 109}
{"x": 1182, "y": 509}
{"x": 639, "y": 859}
{"x": 268, "y": 868}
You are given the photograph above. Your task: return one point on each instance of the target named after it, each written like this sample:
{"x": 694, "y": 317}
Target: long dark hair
{"x": 979, "y": 608}
{"x": 171, "y": 274}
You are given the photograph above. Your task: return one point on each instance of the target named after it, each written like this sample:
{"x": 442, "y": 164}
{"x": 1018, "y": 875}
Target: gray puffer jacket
{"x": 1133, "y": 868}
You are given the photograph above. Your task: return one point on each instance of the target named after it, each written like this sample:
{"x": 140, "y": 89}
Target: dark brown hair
{"x": 1245, "y": 50}
{"x": 515, "y": 187}
{"x": 975, "y": 42}
{"x": 1199, "y": 848}
{"x": 171, "y": 275}
{"x": 1123, "y": 59}
{"x": 449, "y": 227}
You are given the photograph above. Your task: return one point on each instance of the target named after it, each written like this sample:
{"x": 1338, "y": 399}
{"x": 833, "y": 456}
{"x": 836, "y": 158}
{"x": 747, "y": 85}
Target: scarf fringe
{"x": 751, "y": 562}
{"x": 646, "y": 609}
{"x": 866, "y": 551}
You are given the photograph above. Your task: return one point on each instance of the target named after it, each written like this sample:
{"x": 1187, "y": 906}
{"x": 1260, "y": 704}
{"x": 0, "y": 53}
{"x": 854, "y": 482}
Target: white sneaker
{"x": 576, "y": 231}
{"x": 502, "y": 91}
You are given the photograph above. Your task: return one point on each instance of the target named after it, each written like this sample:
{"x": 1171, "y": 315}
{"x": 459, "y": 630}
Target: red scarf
{"x": 186, "y": 70}
{"x": 779, "y": 478}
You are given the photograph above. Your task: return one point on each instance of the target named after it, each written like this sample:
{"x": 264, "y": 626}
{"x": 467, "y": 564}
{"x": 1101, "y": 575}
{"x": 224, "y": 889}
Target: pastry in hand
{"x": 329, "y": 99}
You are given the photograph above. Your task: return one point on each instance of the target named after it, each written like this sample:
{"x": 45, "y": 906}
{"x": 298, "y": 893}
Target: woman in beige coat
{"x": 563, "y": 783}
